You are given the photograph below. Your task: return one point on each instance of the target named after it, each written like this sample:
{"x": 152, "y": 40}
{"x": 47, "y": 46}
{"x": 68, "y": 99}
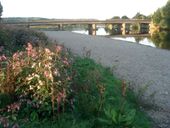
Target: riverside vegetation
{"x": 42, "y": 85}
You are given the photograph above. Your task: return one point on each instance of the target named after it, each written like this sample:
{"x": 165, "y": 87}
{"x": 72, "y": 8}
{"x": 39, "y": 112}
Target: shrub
{"x": 38, "y": 78}
{"x": 13, "y": 39}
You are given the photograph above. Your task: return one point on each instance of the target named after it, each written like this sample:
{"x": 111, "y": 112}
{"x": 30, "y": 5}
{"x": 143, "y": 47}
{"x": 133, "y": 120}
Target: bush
{"x": 45, "y": 84}
{"x": 13, "y": 39}
{"x": 38, "y": 79}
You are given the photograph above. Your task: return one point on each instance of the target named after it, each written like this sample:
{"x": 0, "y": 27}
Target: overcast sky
{"x": 98, "y": 9}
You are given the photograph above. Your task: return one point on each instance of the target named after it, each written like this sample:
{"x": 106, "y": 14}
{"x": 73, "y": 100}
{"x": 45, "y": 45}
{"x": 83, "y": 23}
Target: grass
{"x": 96, "y": 99}
{"x": 86, "y": 113}
{"x": 90, "y": 71}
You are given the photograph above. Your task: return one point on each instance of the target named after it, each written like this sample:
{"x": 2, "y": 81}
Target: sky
{"x": 77, "y": 9}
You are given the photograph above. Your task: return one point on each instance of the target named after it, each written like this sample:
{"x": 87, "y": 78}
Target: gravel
{"x": 147, "y": 69}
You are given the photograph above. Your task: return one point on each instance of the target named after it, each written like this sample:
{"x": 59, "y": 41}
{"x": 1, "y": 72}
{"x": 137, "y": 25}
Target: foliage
{"x": 124, "y": 17}
{"x": 162, "y": 16}
{"x": 116, "y": 17}
{"x": 139, "y": 16}
{"x": 13, "y": 39}
{"x": 1, "y": 9}
{"x": 83, "y": 94}
{"x": 98, "y": 94}
{"x": 135, "y": 28}
{"x": 156, "y": 18}
{"x": 120, "y": 119}
{"x": 161, "y": 39}
{"x": 38, "y": 79}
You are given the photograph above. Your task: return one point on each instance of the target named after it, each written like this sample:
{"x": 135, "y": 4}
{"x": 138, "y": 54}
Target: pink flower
{"x": 29, "y": 49}
{"x": 47, "y": 51}
{"x": 29, "y": 46}
{"x": 3, "y": 58}
{"x": 61, "y": 96}
{"x": 65, "y": 61}
{"x": 14, "y": 107}
{"x": 48, "y": 75}
{"x": 58, "y": 48}
{"x": 15, "y": 56}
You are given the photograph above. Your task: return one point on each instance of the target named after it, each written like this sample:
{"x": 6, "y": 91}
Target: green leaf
{"x": 34, "y": 116}
{"x": 130, "y": 116}
{"x": 108, "y": 122}
{"x": 107, "y": 113}
{"x": 113, "y": 114}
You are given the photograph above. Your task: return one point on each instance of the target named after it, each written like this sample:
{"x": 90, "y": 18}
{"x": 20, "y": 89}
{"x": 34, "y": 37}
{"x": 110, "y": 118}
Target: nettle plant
{"x": 37, "y": 77}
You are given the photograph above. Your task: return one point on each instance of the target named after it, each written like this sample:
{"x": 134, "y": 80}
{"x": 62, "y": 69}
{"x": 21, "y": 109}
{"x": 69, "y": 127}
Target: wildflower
{"x": 31, "y": 88}
{"x": 48, "y": 65}
{"x": 33, "y": 65}
{"x": 15, "y": 56}
{"x": 65, "y": 61}
{"x": 33, "y": 53}
{"x": 47, "y": 51}
{"x": 29, "y": 78}
{"x": 58, "y": 48}
{"x": 29, "y": 49}
{"x": 61, "y": 96}
{"x": 13, "y": 107}
{"x": 29, "y": 46}
{"x": 21, "y": 53}
{"x": 3, "y": 58}
{"x": 56, "y": 72}
{"x": 48, "y": 75}
{"x": 40, "y": 83}
{"x": 4, "y": 122}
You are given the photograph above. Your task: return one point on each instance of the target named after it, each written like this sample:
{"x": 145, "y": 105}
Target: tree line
{"x": 1, "y": 9}
{"x": 161, "y": 17}
{"x": 137, "y": 16}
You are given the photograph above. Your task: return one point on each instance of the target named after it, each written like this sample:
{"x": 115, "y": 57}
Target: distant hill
{"x": 22, "y": 19}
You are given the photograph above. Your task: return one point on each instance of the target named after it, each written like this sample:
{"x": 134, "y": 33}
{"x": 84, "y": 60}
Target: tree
{"x": 156, "y": 18}
{"x": 166, "y": 15}
{"x": 162, "y": 17}
{"x": 1, "y": 9}
{"x": 116, "y": 17}
{"x": 125, "y": 17}
{"x": 139, "y": 16}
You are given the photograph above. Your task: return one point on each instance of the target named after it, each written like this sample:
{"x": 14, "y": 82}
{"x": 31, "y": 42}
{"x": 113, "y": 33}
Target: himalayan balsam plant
{"x": 37, "y": 74}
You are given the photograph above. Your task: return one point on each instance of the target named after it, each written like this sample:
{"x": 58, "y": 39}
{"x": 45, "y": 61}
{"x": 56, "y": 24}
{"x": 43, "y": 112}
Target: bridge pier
{"x": 60, "y": 27}
{"x": 92, "y": 29}
{"x": 125, "y": 28}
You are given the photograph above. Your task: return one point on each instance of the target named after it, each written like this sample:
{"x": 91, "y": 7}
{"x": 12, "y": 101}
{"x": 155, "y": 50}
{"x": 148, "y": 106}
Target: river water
{"x": 159, "y": 40}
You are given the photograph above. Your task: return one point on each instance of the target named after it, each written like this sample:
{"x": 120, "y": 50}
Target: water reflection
{"x": 139, "y": 40}
{"x": 161, "y": 39}
{"x": 157, "y": 39}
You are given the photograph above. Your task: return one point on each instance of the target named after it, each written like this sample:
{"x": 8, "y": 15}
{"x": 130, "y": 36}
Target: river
{"x": 158, "y": 40}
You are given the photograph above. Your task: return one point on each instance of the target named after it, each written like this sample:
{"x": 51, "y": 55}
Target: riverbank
{"x": 45, "y": 86}
{"x": 147, "y": 69}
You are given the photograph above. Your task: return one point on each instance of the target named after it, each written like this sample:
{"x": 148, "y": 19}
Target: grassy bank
{"x": 47, "y": 88}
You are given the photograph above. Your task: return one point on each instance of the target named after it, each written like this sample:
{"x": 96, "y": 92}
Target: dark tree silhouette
{"x": 124, "y": 17}
{"x": 1, "y": 9}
